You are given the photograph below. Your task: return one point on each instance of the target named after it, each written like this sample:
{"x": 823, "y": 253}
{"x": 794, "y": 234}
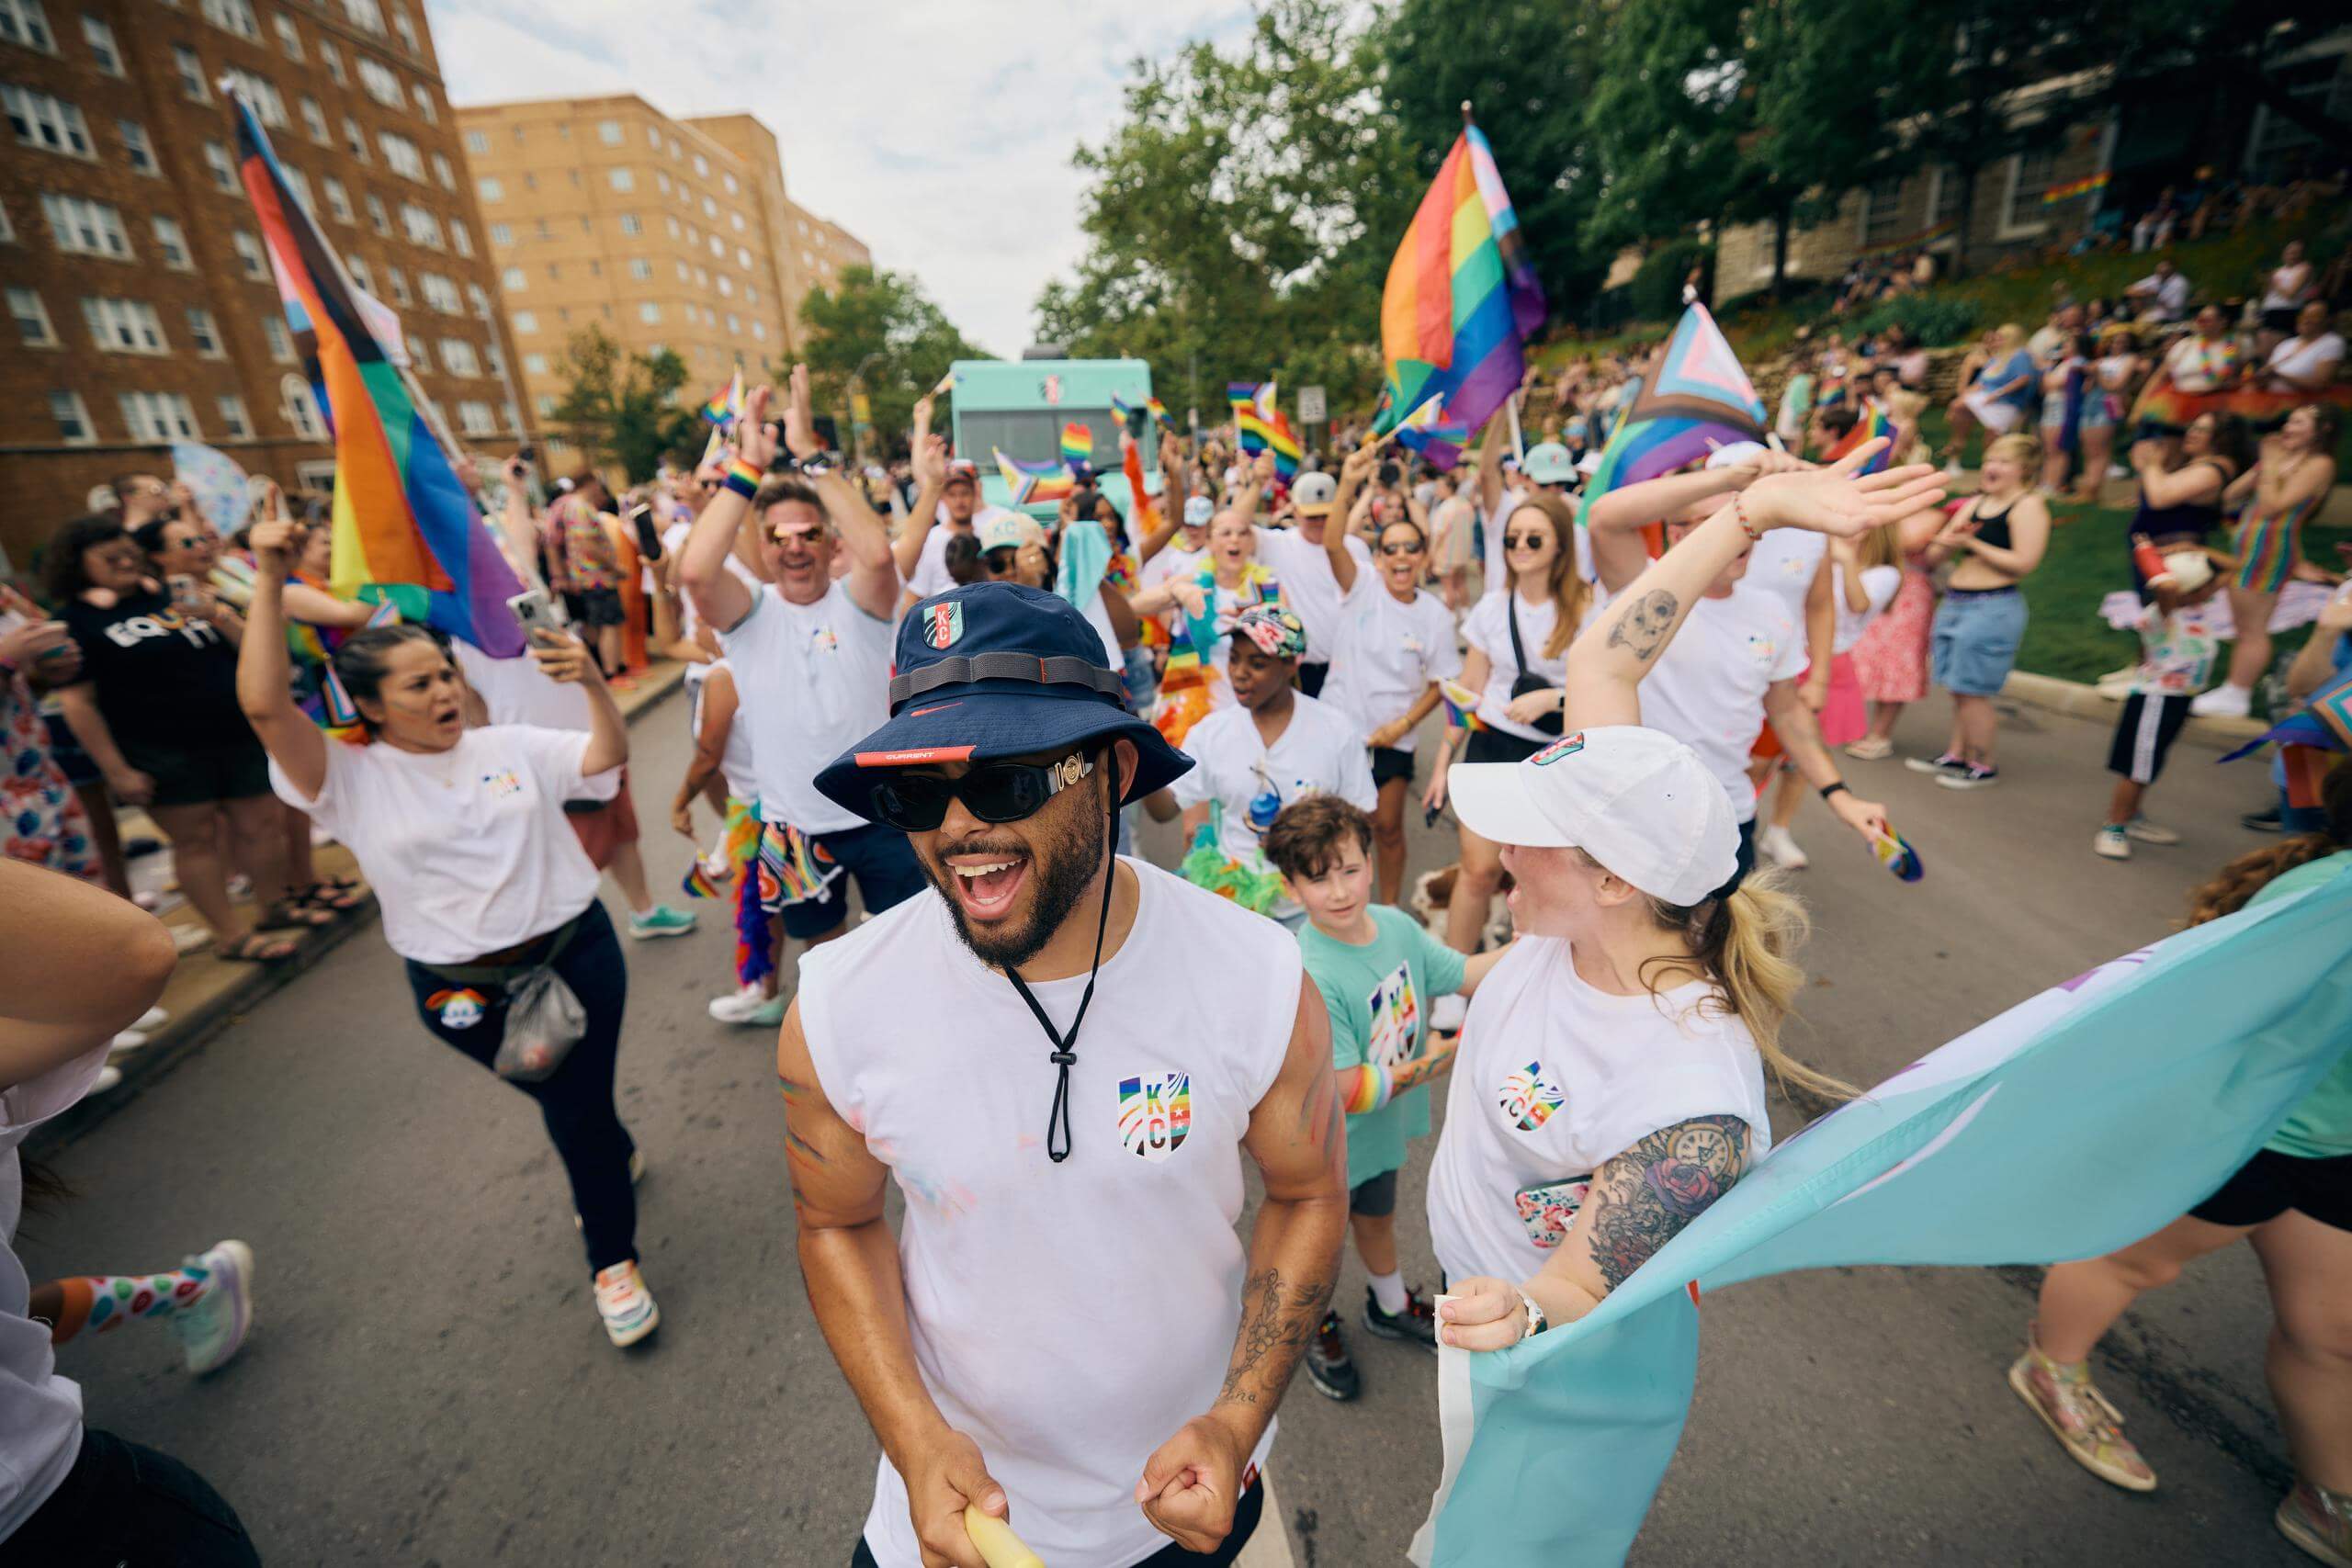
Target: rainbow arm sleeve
{"x": 1366, "y": 1087}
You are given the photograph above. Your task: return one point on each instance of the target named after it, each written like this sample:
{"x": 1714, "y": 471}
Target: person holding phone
{"x": 482, "y": 881}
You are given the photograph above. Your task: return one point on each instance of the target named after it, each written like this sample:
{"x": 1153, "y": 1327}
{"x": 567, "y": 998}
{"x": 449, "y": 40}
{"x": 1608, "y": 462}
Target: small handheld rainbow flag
{"x": 1691, "y": 397}
{"x": 1434, "y": 433}
{"x": 1870, "y": 427}
{"x": 1152, "y": 406}
{"x": 1260, "y": 426}
{"x": 1077, "y": 445}
{"x": 1461, "y": 705}
{"x": 726, "y": 405}
{"x": 1041, "y": 482}
{"x": 1896, "y": 854}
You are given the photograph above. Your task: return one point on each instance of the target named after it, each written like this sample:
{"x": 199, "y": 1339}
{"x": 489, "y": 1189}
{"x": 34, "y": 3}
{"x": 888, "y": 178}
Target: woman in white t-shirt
{"x": 1536, "y": 612}
{"x": 1609, "y": 1082}
{"x": 482, "y": 881}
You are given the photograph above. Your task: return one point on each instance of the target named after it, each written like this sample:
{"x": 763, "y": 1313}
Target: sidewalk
{"x": 207, "y": 993}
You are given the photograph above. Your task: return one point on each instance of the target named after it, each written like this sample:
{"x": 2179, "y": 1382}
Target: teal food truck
{"x": 1019, "y": 406}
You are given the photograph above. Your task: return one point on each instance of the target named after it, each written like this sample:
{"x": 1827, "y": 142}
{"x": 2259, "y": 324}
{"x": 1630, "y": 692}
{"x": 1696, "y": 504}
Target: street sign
{"x": 1310, "y": 406}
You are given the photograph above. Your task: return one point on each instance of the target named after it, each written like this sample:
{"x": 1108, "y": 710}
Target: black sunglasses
{"x": 993, "y": 792}
{"x": 1404, "y": 550}
{"x": 1001, "y": 559}
{"x": 1526, "y": 541}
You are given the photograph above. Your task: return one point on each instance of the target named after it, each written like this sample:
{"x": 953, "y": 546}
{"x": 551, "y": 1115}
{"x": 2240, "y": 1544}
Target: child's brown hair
{"x": 1306, "y": 838}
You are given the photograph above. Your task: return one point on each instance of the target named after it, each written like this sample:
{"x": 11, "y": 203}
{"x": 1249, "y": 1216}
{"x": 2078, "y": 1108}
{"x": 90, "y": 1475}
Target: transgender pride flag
{"x": 2077, "y": 1122}
{"x": 1691, "y": 398}
{"x": 1462, "y": 298}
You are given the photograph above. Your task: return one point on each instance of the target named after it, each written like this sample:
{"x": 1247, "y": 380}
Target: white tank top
{"x": 1069, "y": 1318}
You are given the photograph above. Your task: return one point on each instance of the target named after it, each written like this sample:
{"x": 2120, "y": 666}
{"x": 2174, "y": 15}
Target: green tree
{"x": 878, "y": 330}
{"x": 622, "y": 407}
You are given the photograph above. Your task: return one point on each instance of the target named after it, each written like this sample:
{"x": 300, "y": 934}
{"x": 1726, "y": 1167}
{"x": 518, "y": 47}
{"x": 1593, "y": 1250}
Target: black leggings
{"x": 577, "y": 1100}
{"x": 122, "y": 1504}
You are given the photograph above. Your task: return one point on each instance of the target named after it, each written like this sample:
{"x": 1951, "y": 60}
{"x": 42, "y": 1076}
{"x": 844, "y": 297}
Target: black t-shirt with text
{"x": 162, "y": 677}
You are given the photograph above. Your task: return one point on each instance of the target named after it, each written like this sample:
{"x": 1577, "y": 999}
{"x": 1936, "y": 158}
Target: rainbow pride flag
{"x": 1462, "y": 298}
{"x": 1435, "y": 434}
{"x": 401, "y": 515}
{"x": 1461, "y": 705}
{"x": 1870, "y": 427}
{"x": 1152, "y": 406}
{"x": 1035, "y": 483}
{"x": 1690, "y": 399}
{"x": 2323, "y": 724}
{"x": 2072, "y": 188}
{"x": 1077, "y": 445}
{"x": 1260, "y": 425}
{"x": 726, "y": 405}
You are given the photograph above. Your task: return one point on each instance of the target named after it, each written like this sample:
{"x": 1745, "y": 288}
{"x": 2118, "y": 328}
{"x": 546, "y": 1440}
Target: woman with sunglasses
{"x": 1518, "y": 637}
{"x": 1395, "y": 643}
{"x": 482, "y": 880}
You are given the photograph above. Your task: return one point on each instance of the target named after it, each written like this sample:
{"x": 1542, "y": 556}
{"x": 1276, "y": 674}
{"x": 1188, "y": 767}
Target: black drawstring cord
{"x": 1064, "y": 1055}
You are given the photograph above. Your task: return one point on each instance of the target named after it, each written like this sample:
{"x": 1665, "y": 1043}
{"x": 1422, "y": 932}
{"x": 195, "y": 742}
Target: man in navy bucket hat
{"x": 1067, "y": 1330}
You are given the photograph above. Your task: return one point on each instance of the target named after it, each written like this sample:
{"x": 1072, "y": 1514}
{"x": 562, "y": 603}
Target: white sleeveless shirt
{"x": 1069, "y": 1318}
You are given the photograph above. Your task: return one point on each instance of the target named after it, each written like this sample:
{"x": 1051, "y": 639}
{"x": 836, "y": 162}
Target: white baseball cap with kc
{"x": 1637, "y": 800}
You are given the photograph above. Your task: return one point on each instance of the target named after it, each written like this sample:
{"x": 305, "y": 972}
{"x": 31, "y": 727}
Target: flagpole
{"x": 1517, "y": 447}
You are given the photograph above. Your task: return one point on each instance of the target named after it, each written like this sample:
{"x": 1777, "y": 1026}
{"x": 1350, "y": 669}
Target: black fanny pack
{"x": 1551, "y": 723}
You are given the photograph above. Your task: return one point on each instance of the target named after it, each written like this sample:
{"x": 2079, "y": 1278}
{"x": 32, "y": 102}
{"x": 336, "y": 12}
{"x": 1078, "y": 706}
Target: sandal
{"x": 293, "y": 913}
{"x": 338, "y": 894}
{"x": 254, "y": 947}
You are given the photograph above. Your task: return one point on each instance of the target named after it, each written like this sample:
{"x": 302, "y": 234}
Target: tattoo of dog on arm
{"x": 1277, "y": 1320}
{"x": 1645, "y": 623}
{"x": 1641, "y": 1199}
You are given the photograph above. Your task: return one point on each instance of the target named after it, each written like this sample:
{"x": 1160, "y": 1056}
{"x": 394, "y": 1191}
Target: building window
{"x": 2029, "y": 175}
{"x": 50, "y": 124}
{"x": 1881, "y": 218}
{"x": 204, "y": 333}
{"x": 685, "y": 273}
{"x": 289, "y": 37}
{"x": 457, "y": 358}
{"x": 661, "y": 180}
{"x": 380, "y": 83}
{"x": 649, "y": 312}
{"x": 525, "y": 322}
{"x": 73, "y": 426}
{"x": 301, "y": 183}
{"x": 399, "y": 282}
{"x": 280, "y": 339}
{"x": 403, "y": 26}
{"x": 710, "y": 207}
{"x": 159, "y": 417}
{"x": 759, "y": 332}
{"x": 172, "y": 244}
{"x": 33, "y": 328}
{"x": 314, "y": 120}
{"x": 24, "y": 22}
{"x": 338, "y": 198}
{"x": 104, "y": 52}
{"x": 732, "y": 187}
{"x": 511, "y": 279}
{"x": 137, "y": 150}
{"x": 479, "y": 301}
{"x": 353, "y": 139}
{"x": 726, "y": 286}
{"x": 490, "y": 190}
{"x": 477, "y": 141}
{"x": 191, "y": 74}
{"x": 420, "y": 226}
{"x": 300, "y": 408}
{"x": 443, "y": 174}
{"x": 440, "y": 293}
{"x": 424, "y": 102}
{"x": 535, "y": 364}
{"x": 702, "y": 166}
{"x": 360, "y": 272}
{"x": 267, "y": 105}
{"x": 85, "y": 228}
{"x": 639, "y": 267}
{"x": 377, "y": 217}
{"x": 249, "y": 254}
{"x": 461, "y": 239}
{"x": 673, "y": 223}
{"x": 629, "y": 225}
{"x": 622, "y": 179}
{"x": 225, "y": 168}
{"x": 233, "y": 416}
{"x": 417, "y": 357}
{"x": 232, "y": 17}
{"x": 734, "y": 324}
{"x": 328, "y": 52}
{"x": 608, "y": 132}
{"x": 402, "y": 155}
{"x": 545, "y": 405}
{"x": 475, "y": 418}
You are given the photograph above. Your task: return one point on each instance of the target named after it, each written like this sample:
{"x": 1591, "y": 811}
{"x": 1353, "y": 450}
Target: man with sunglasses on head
{"x": 1068, "y": 1328}
{"x": 810, "y": 654}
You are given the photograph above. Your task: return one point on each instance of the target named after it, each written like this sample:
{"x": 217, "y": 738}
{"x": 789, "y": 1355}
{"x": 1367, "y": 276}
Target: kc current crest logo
{"x": 1155, "y": 1114}
{"x": 944, "y": 626}
{"x": 1566, "y": 746}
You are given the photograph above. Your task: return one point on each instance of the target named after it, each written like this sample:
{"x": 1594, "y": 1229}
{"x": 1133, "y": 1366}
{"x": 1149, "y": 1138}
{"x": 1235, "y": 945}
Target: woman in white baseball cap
{"x": 1610, "y": 1081}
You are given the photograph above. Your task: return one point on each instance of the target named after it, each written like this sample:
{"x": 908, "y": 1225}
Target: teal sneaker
{"x": 214, "y": 1329}
{"x": 660, "y": 920}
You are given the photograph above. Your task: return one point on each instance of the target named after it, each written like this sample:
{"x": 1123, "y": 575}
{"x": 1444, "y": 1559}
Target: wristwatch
{"x": 1537, "y": 1322}
{"x": 815, "y": 468}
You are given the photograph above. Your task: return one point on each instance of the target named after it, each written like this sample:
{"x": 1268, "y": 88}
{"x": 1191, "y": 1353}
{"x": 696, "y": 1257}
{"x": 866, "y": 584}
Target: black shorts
{"x": 1311, "y": 676}
{"x": 67, "y": 753}
{"x": 198, "y": 775}
{"x": 1496, "y": 746}
{"x": 1747, "y": 861}
{"x": 2145, "y": 733}
{"x": 2271, "y": 1183}
{"x": 881, "y": 862}
{"x": 1375, "y": 1197}
{"x": 1388, "y": 763}
{"x": 2280, "y": 319}
{"x": 600, "y": 607}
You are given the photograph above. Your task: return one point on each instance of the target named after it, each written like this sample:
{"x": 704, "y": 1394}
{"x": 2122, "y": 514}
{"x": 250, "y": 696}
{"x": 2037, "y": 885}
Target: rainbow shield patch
{"x": 1155, "y": 1114}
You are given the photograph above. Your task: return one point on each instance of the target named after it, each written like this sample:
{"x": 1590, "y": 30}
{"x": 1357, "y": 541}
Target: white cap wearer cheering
{"x": 1637, "y": 800}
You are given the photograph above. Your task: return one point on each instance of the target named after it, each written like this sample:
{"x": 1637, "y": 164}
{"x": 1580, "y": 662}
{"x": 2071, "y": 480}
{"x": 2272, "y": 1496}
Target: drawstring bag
{"x": 544, "y": 1021}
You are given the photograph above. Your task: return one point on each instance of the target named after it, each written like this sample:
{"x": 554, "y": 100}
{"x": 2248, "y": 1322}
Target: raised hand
{"x": 755, "y": 436}
{"x": 1833, "y": 500}
{"x": 930, "y": 460}
{"x": 276, "y": 542}
{"x": 801, "y": 419}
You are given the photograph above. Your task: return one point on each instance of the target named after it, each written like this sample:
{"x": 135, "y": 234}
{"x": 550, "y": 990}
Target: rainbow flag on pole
{"x": 1462, "y": 298}
{"x": 1691, "y": 398}
{"x": 1870, "y": 427}
{"x": 1035, "y": 482}
{"x": 1077, "y": 445}
{"x": 1260, "y": 425}
{"x": 1435, "y": 434}
{"x": 401, "y": 515}
{"x": 726, "y": 405}
{"x": 1460, "y": 705}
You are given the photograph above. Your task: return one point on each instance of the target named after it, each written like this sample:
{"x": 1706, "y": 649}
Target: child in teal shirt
{"x": 1379, "y": 969}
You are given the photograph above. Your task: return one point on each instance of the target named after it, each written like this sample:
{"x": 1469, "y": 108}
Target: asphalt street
{"x": 427, "y": 1383}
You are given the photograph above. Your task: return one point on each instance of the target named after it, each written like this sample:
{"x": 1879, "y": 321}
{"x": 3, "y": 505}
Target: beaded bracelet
{"x": 742, "y": 479}
{"x": 1739, "y": 515}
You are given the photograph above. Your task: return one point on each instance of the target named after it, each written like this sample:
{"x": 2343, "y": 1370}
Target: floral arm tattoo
{"x": 1641, "y": 1198}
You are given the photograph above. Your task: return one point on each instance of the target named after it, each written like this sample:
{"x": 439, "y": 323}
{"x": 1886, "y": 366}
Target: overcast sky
{"x": 938, "y": 131}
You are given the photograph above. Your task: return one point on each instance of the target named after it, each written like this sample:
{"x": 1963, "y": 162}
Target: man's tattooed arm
{"x": 1641, "y": 1199}
{"x": 1277, "y": 1320}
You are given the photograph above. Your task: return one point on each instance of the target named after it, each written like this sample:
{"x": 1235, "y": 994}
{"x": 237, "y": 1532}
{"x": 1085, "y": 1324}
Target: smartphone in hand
{"x": 533, "y": 612}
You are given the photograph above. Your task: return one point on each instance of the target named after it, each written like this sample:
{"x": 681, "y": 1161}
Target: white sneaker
{"x": 1782, "y": 845}
{"x": 748, "y": 1006}
{"x": 107, "y": 1077}
{"x": 2111, "y": 843}
{"x": 153, "y": 1019}
{"x": 1446, "y": 1017}
{"x": 215, "y": 1327}
{"x": 2149, "y": 833}
{"x": 2225, "y": 700}
{"x": 127, "y": 1041}
{"x": 625, "y": 1304}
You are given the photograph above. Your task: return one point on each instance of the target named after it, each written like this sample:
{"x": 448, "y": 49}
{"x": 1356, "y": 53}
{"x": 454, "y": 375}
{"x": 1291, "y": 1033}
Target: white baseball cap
{"x": 1736, "y": 454}
{"x": 1313, "y": 494}
{"x": 1637, "y": 800}
{"x": 1198, "y": 510}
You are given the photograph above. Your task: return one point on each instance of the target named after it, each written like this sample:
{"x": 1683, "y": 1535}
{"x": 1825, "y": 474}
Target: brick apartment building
{"x": 142, "y": 307}
{"x": 665, "y": 233}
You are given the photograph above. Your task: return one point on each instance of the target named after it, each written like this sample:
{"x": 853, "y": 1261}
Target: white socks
{"x": 1388, "y": 1289}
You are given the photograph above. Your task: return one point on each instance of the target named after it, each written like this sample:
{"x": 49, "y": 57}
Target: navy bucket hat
{"x": 994, "y": 670}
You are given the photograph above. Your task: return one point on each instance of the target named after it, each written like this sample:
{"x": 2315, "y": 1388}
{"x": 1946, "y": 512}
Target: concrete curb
{"x": 2080, "y": 700}
{"x": 193, "y": 1025}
